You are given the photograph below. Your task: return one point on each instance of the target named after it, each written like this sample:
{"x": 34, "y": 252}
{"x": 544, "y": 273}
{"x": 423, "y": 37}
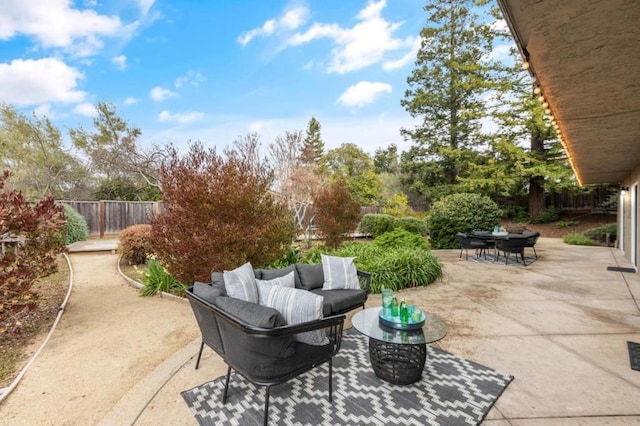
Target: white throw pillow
{"x": 241, "y": 283}
{"x": 296, "y": 306}
{"x": 339, "y": 273}
{"x": 288, "y": 281}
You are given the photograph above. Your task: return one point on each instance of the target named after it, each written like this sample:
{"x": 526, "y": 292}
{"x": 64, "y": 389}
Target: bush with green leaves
{"x": 563, "y": 224}
{"x": 413, "y": 225}
{"x": 134, "y": 244}
{"x": 377, "y": 224}
{"x": 578, "y": 239}
{"x": 552, "y": 214}
{"x": 401, "y": 238}
{"x": 156, "y": 280}
{"x": 460, "y": 213}
{"x": 600, "y": 233}
{"x": 76, "y": 228}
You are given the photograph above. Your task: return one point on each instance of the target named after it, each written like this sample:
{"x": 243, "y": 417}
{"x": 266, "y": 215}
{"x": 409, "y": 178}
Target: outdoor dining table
{"x": 490, "y": 238}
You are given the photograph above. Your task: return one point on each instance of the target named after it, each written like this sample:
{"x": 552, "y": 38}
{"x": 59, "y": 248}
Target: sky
{"x": 214, "y": 71}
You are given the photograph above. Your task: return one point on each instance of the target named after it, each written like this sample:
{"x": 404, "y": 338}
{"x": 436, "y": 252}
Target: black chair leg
{"x": 199, "y": 354}
{"x": 523, "y": 261}
{"x": 226, "y": 386}
{"x": 266, "y": 405}
{"x": 534, "y": 252}
{"x": 330, "y": 380}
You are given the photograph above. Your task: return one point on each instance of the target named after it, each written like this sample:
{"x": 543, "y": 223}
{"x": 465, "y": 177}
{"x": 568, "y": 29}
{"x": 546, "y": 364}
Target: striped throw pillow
{"x": 339, "y": 273}
{"x": 241, "y": 283}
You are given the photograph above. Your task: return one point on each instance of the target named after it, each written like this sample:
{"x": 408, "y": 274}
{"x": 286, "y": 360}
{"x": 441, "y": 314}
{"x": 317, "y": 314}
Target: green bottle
{"x": 404, "y": 312}
{"x": 394, "y": 307}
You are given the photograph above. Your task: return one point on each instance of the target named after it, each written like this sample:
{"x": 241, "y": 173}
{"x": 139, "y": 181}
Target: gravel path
{"x": 105, "y": 343}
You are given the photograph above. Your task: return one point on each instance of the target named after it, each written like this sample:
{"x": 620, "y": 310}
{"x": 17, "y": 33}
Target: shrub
{"x": 397, "y": 206}
{"x": 337, "y": 213}
{"x": 551, "y": 214}
{"x": 76, "y": 226}
{"x": 577, "y": 239}
{"x": 40, "y": 225}
{"x": 134, "y": 244}
{"x": 218, "y": 214}
{"x": 292, "y": 255}
{"x": 156, "y": 280}
{"x": 413, "y": 225}
{"x": 377, "y": 224}
{"x": 395, "y": 268}
{"x": 460, "y": 213}
{"x": 600, "y": 233}
{"x": 563, "y": 224}
{"x": 399, "y": 238}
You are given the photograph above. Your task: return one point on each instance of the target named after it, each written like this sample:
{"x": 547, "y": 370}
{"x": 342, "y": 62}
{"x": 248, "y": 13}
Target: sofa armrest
{"x": 365, "y": 281}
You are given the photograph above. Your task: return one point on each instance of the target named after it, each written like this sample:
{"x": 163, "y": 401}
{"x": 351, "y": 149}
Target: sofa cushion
{"x": 296, "y": 306}
{"x": 339, "y": 273}
{"x": 283, "y": 281}
{"x": 337, "y": 301}
{"x": 269, "y": 274}
{"x": 311, "y": 276}
{"x": 266, "y": 368}
{"x": 217, "y": 280}
{"x": 251, "y": 313}
{"x": 207, "y": 292}
{"x": 241, "y": 283}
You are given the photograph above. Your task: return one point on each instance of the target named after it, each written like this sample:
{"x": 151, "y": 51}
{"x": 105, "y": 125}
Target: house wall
{"x": 629, "y": 218}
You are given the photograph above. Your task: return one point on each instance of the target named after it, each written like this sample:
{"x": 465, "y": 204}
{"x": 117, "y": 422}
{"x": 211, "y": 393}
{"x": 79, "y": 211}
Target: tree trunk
{"x": 536, "y": 190}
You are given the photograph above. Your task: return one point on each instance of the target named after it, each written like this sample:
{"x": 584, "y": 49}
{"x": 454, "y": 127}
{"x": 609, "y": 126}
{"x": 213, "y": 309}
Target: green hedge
{"x": 76, "y": 226}
{"x": 460, "y": 213}
{"x": 600, "y": 233}
{"x": 377, "y": 224}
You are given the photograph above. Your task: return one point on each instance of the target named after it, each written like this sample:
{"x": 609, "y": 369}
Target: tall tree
{"x": 355, "y": 166}
{"x": 284, "y": 155}
{"x": 41, "y": 166}
{"x": 113, "y": 149}
{"x": 312, "y": 147}
{"x": 385, "y": 160}
{"x": 447, "y": 87}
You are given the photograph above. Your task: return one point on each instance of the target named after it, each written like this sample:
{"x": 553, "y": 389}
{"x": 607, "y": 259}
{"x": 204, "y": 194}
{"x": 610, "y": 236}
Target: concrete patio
{"x": 560, "y": 326}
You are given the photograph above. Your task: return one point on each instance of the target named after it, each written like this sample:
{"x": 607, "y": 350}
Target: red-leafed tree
{"x": 39, "y": 229}
{"x": 218, "y": 213}
{"x": 337, "y": 212}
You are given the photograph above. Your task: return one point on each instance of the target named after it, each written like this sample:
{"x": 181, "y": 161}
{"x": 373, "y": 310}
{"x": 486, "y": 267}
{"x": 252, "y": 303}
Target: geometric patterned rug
{"x": 452, "y": 391}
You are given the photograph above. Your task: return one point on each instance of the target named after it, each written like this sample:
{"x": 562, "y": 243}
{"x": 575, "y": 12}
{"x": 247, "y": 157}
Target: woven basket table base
{"x": 395, "y": 363}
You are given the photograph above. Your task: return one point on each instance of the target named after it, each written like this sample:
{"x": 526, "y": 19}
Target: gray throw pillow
{"x": 206, "y": 292}
{"x": 311, "y": 276}
{"x": 284, "y": 281}
{"x": 269, "y": 274}
{"x": 241, "y": 283}
{"x": 340, "y": 273}
{"x": 251, "y": 313}
{"x": 296, "y": 306}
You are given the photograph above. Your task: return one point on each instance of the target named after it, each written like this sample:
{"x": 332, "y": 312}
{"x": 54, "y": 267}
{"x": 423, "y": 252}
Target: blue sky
{"x": 215, "y": 70}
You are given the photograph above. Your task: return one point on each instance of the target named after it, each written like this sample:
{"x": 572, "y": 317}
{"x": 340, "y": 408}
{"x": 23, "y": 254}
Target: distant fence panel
{"x": 111, "y": 217}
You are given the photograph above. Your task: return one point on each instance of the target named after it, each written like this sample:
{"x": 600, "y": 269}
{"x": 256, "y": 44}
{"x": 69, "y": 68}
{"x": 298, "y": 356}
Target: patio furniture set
{"x": 505, "y": 242}
{"x": 273, "y": 325}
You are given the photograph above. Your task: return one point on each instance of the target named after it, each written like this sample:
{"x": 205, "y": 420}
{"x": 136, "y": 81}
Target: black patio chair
{"x": 532, "y": 239}
{"x": 468, "y": 241}
{"x": 511, "y": 244}
{"x": 264, "y": 356}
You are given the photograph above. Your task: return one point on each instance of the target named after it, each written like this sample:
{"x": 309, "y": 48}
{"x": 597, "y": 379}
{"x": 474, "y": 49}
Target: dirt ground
{"x": 551, "y": 230}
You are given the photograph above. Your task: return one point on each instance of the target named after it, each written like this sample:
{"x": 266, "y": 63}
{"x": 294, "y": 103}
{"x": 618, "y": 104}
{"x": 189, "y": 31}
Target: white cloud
{"x": 43, "y": 110}
{"x": 181, "y": 118}
{"x": 86, "y": 109}
{"x": 120, "y": 62}
{"x": 291, "y": 19}
{"x": 131, "y": 100}
{"x": 407, "y": 58}
{"x": 145, "y": 5}
{"x": 366, "y": 43}
{"x": 55, "y": 23}
{"x": 159, "y": 94}
{"x": 193, "y": 78}
{"x": 38, "y": 81}
{"x": 363, "y": 93}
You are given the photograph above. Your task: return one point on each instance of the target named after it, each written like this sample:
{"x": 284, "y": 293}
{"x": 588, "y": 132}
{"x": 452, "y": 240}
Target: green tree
{"x": 386, "y": 160}
{"x": 32, "y": 148}
{"x": 355, "y": 166}
{"x": 113, "y": 149}
{"x": 312, "y": 146}
{"x": 446, "y": 91}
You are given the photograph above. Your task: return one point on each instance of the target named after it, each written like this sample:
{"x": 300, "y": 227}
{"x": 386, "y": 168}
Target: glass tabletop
{"x": 367, "y": 322}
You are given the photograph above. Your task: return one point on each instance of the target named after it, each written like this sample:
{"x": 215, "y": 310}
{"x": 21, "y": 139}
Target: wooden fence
{"x": 111, "y": 217}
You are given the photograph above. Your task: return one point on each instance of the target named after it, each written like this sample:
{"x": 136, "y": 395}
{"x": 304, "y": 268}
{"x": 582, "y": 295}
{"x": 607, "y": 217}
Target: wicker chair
{"x": 467, "y": 242}
{"x": 532, "y": 239}
{"x": 264, "y": 356}
{"x": 512, "y": 244}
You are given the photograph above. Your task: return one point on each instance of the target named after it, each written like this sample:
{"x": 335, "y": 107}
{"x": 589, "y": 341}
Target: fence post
{"x": 102, "y": 221}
